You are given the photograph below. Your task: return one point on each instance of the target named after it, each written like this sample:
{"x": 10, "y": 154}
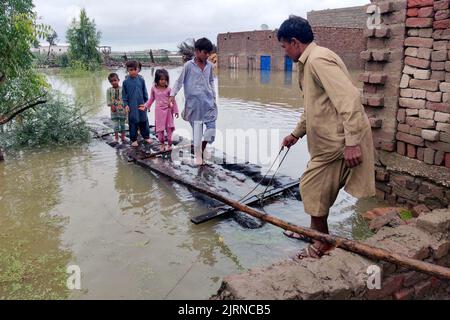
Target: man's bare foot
{"x": 149, "y": 141}
{"x": 314, "y": 251}
{"x": 135, "y": 144}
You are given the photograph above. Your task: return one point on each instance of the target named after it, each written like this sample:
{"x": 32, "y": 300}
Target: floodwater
{"x": 128, "y": 230}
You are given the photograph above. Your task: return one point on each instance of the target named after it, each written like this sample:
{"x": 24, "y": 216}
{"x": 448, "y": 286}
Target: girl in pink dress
{"x": 164, "y": 111}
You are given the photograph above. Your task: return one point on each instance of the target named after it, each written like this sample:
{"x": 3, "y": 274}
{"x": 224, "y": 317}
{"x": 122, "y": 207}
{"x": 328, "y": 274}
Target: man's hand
{"x": 142, "y": 107}
{"x": 353, "y": 156}
{"x": 289, "y": 141}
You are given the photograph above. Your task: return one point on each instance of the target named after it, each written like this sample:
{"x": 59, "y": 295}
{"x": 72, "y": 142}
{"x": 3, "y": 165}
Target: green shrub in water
{"x": 58, "y": 122}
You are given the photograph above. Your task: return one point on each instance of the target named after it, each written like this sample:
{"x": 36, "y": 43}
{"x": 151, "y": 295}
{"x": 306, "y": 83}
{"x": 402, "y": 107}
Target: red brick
{"x": 411, "y": 151}
{"x": 416, "y": 62}
{"x": 426, "y": 12}
{"x": 404, "y": 294}
{"x": 441, "y": 5}
{"x": 380, "y": 56}
{"x": 430, "y": 85}
{"x": 412, "y": 103}
{"x": 439, "y": 158}
{"x": 419, "y": 3}
{"x": 383, "y": 33}
{"x": 439, "y": 146}
{"x": 382, "y": 175}
{"x": 370, "y": 88}
{"x": 388, "y": 146}
{"x": 420, "y": 154}
{"x": 401, "y": 148}
{"x": 420, "y": 123}
{"x": 413, "y": 12}
{"x": 440, "y": 55}
{"x": 440, "y": 107}
{"x": 375, "y": 101}
{"x": 441, "y": 24}
{"x": 408, "y": 138}
{"x": 401, "y": 115}
{"x": 404, "y": 128}
{"x": 418, "y": 42}
{"x": 377, "y": 78}
{"x": 442, "y": 15}
{"x": 438, "y": 66}
{"x": 366, "y": 55}
{"x": 419, "y": 22}
{"x": 429, "y": 156}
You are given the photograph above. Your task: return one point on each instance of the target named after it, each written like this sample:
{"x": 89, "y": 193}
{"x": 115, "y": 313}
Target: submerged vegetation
{"x": 31, "y": 114}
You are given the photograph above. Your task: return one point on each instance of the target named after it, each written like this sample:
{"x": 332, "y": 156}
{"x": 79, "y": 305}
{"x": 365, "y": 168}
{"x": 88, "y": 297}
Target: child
{"x": 165, "y": 110}
{"x": 201, "y": 109}
{"x": 134, "y": 95}
{"x": 118, "y": 112}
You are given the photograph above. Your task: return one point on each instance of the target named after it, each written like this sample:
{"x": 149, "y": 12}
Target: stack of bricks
{"x": 383, "y": 66}
{"x": 424, "y": 113}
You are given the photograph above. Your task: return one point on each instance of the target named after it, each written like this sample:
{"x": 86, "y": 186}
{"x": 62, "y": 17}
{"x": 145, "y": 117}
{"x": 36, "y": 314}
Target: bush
{"x": 58, "y": 122}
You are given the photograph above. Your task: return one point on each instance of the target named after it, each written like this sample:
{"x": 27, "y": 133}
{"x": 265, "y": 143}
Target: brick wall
{"x": 352, "y": 17}
{"x": 406, "y": 95}
{"x": 243, "y": 50}
{"x": 346, "y": 42}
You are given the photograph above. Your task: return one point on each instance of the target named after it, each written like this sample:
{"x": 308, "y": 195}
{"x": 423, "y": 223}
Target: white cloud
{"x": 142, "y": 24}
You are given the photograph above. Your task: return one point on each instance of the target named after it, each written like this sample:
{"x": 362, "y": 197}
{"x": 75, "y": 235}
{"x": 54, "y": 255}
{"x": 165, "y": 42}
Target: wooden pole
{"x": 338, "y": 242}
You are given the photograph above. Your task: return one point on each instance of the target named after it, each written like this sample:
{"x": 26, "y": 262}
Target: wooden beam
{"x": 338, "y": 242}
{"x": 225, "y": 210}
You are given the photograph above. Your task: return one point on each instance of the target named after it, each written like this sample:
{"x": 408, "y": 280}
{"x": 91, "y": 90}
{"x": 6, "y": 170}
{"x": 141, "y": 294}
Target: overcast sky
{"x": 144, "y": 24}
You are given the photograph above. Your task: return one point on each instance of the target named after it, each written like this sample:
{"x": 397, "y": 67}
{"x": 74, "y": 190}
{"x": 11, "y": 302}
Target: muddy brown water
{"x": 129, "y": 230}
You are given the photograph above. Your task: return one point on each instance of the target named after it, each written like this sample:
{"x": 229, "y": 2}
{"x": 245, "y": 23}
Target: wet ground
{"x": 128, "y": 229}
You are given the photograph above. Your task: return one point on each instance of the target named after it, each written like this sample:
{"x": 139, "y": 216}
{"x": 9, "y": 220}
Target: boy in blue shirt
{"x": 134, "y": 96}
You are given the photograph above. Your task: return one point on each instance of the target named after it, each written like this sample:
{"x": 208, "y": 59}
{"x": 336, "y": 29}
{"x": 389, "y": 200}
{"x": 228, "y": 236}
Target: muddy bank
{"x": 344, "y": 275}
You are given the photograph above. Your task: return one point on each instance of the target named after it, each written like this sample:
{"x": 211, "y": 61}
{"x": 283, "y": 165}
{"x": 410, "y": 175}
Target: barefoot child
{"x": 134, "y": 95}
{"x": 118, "y": 111}
{"x": 164, "y": 110}
{"x": 201, "y": 109}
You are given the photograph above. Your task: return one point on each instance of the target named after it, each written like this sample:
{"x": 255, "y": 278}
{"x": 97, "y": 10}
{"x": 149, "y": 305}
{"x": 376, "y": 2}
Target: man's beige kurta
{"x": 334, "y": 118}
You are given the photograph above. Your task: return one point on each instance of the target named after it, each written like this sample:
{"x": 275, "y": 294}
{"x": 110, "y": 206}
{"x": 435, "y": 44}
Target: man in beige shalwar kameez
{"x": 338, "y": 131}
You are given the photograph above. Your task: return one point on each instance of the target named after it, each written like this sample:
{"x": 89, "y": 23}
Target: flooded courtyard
{"x": 129, "y": 230}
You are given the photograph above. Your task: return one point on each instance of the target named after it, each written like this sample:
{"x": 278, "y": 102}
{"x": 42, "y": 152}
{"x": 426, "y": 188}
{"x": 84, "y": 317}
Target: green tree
{"x": 84, "y": 40}
{"x": 22, "y": 88}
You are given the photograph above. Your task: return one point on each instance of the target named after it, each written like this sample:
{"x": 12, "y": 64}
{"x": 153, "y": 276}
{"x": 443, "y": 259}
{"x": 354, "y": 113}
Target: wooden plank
{"x": 224, "y": 210}
{"x": 337, "y": 242}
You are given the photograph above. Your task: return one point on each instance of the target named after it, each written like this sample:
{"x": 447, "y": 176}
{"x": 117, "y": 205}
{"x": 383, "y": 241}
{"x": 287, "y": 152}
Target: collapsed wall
{"x": 344, "y": 275}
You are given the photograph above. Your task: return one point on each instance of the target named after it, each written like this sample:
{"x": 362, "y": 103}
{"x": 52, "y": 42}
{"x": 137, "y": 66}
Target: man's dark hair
{"x": 161, "y": 73}
{"x": 113, "y": 76}
{"x": 204, "y": 44}
{"x": 132, "y": 65}
{"x": 296, "y": 27}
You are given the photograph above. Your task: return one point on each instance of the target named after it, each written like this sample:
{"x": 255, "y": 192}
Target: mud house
{"x": 339, "y": 29}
